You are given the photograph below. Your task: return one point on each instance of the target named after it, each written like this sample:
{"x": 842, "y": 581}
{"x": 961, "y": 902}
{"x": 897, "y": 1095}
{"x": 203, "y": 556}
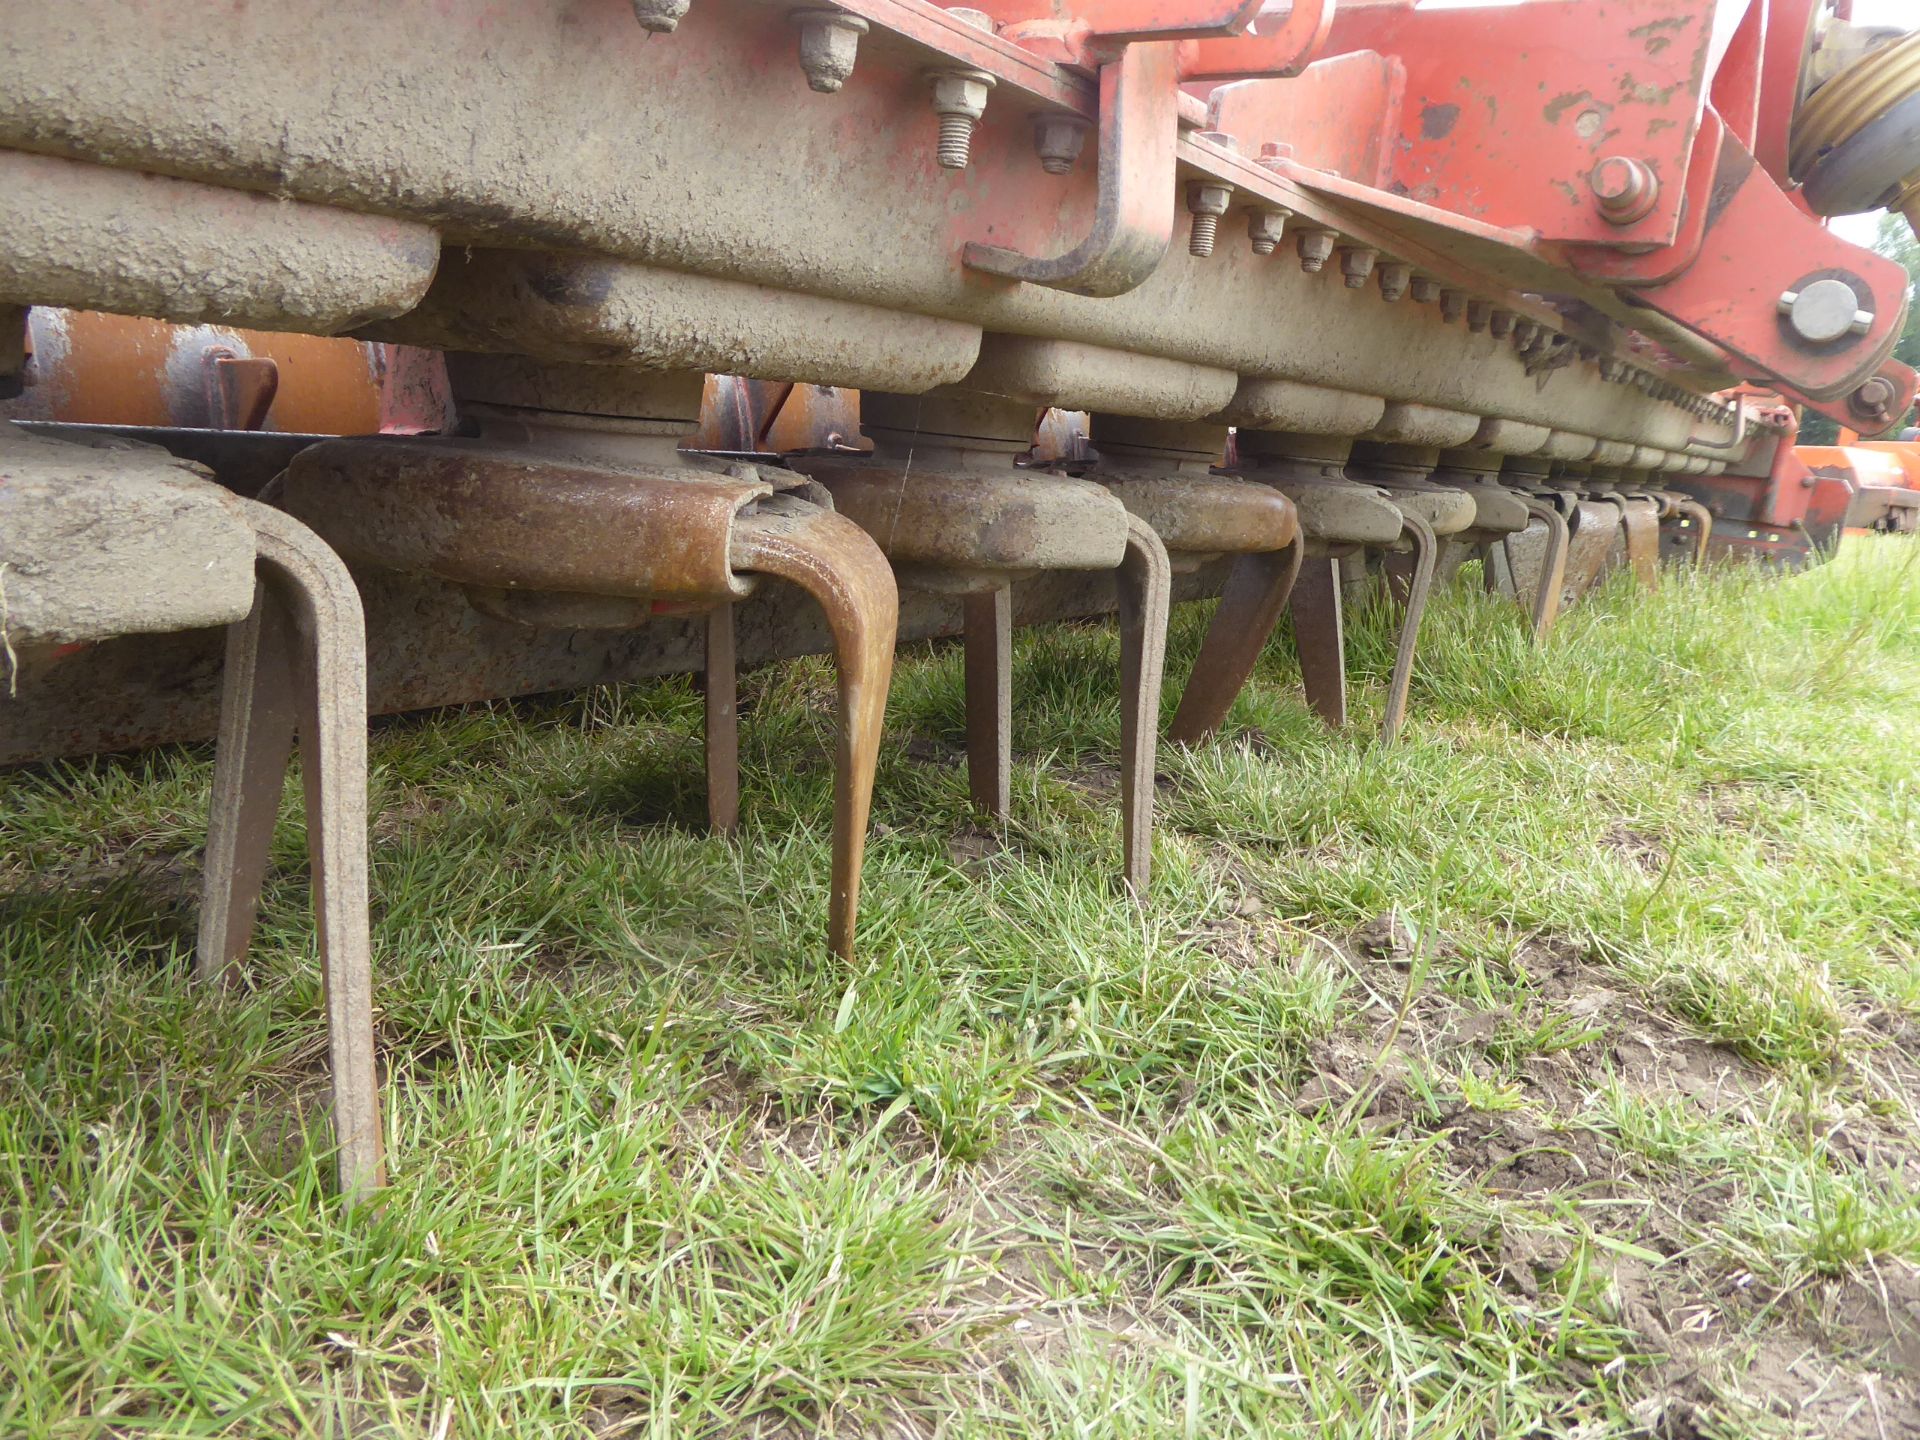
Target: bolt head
{"x": 1356, "y": 264}
{"x": 1273, "y": 154}
{"x": 1501, "y": 325}
{"x": 1824, "y": 311}
{"x": 978, "y": 19}
{"x": 1453, "y": 304}
{"x": 1395, "y": 280}
{"x": 1874, "y": 398}
{"x": 1316, "y": 247}
{"x": 1624, "y": 188}
{"x": 1425, "y": 289}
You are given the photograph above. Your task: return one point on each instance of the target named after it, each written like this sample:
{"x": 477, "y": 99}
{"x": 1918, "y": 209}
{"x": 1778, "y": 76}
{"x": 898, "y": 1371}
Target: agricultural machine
{"x": 413, "y": 352}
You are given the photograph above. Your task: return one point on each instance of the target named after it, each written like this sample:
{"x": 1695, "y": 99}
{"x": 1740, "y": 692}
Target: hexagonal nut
{"x": 659, "y": 17}
{"x": 1206, "y": 197}
{"x": 1058, "y": 140}
{"x": 960, "y": 92}
{"x": 829, "y": 44}
{"x": 1265, "y": 228}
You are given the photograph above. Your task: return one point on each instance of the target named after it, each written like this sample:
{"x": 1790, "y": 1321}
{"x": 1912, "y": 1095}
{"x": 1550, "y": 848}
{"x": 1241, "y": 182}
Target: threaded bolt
{"x": 1425, "y": 289}
{"x": 959, "y": 99}
{"x": 1206, "y": 203}
{"x": 956, "y": 141}
{"x": 1356, "y": 264}
{"x": 1395, "y": 278}
{"x": 1453, "y": 304}
{"x": 1501, "y": 325}
{"x": 1200, "y": 240}
{"x": 1479, "y": 316}
{"x": 1524, "y": 334}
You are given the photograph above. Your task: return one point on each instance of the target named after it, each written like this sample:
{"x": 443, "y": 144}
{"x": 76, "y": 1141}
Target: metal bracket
{"x": 1287, "y": 51}
{"x": 1133, "y": 217}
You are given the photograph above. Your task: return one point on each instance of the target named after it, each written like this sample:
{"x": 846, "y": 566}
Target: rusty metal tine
{"x": 1319, "y": 638}
{"x": 722, "y": 723}
{"x": 835, "y": 562}
{"x": 1420, "y": 536}
{"x": 1640, "y": 520}
{"x": 1703, "y": 524}
{"x": 1496, "y": 573}
{"x": 989, "y": 686}
{"x": 1256, "y": 591}
{"x": 1146, "y": 596}
{"x": 329, "y": 670}
{"x": 1553, "y": 569}
{"x": 249, "y": 766}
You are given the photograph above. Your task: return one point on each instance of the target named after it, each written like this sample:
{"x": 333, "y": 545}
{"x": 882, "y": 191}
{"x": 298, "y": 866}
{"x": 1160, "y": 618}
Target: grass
{"x": 1553, "y": 1072}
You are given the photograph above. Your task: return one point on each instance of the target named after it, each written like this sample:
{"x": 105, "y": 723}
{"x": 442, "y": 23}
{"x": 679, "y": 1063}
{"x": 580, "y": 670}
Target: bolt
{"x": 829, "y": 40}
{"x": 1611, "y": 370}
{"x": 1316, "y": 248}
{"x": 1479, "y": 316}
{"x": 1874, "y": 399}
{"x": 1501, "y": 324}
{"x": 1265, "y": 227}
{"x": 1425, "y": 289}
{"x": 1525, "y": 332}
{"x": 1273, "y": 154}
{"x": 1206, "y": 202}
{"x": 1824, "y": 312}
{"x": 1453, "y": 304}
{"x": 959, "y": 99}
{"x": 659, "y": 17}
{"x": 1624, "y": 189}
{"x": 1058, "y": 140}
{"x": 1356, "y": 263}
{"x": 1395, "y": 278}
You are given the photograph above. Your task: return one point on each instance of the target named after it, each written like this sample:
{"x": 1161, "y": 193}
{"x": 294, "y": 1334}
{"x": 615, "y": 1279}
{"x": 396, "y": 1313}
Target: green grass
{"x": 1552, "y": 1072}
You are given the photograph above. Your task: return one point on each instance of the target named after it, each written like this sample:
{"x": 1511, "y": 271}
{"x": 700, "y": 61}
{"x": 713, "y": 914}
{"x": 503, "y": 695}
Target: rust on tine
{"x": 1639, "y": 516}
{"x": 834, "y": 561}
{"x": 257, "y": 718}
{"x": 989, "y": 691}
{"x": 1146, "y": 595}
{"x": 1553, "y": 567}
{"x": 302, "y": 669}
{"x": 1420, "y": 536}
{"x": 1256, "y": 592}
{"x": 722, "y": 723}
{"x": 1592, "y": 528}
{"x": 1319, "y": 637}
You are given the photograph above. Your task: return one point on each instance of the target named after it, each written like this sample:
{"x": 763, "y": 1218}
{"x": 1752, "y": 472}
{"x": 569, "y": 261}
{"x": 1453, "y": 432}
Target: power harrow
{"x": 445, "y": 349}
